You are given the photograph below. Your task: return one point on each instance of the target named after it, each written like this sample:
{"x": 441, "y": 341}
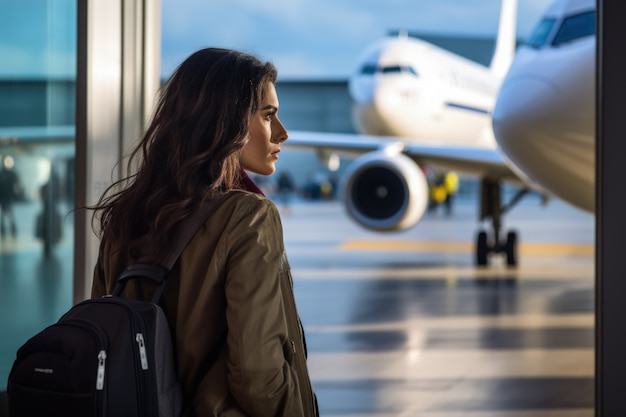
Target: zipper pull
{"x": 293, "y": 346}
{"x": 142, "y": 351}
{"x": 100, "y": 375}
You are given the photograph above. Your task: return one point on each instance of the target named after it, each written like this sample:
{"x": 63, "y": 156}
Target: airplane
{"x": 414, "y": 105}
{"x": 544, "y": 118}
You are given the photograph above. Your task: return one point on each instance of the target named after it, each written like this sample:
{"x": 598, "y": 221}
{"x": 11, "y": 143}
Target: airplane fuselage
{"x": 544, "y": 118}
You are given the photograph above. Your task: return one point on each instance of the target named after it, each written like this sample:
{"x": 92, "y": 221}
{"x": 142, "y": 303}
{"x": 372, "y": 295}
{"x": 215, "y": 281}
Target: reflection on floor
{"x": 402, "y": 332}
{"x": 422, "y": 347}
{"x": 36, "y": 289}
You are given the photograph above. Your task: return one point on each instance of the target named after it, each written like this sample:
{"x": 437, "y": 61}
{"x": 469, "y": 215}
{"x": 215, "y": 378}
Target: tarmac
{"x": 405, "y": 324}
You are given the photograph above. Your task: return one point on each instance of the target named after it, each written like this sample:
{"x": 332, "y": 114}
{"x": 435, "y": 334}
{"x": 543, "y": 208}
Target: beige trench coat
{"x": 233, "y": 276}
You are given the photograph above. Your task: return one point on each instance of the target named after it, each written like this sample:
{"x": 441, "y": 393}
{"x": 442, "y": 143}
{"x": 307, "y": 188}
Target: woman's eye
{"x": 269, "y": 116}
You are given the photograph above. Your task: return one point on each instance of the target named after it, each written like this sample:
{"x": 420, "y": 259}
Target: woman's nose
{"x": 280, "y": 134}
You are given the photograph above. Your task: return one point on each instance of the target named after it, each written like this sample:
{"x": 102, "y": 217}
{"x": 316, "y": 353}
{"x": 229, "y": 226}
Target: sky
{"x": 313, "y": 39}
{"x": 305, "y": 39}
{"x": 37, "y": 41}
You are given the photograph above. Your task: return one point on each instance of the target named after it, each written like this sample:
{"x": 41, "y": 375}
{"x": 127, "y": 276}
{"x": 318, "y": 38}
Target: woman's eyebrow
{"x": 270, "y": 107}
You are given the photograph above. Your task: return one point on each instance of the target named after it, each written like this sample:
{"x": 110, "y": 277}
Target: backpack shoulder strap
{"x": 189, "y": 228}
{"x": 158, "y": 273}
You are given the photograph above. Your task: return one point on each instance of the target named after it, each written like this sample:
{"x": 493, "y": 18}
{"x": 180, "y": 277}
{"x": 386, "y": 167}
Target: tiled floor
{"x": 403, "y": 324}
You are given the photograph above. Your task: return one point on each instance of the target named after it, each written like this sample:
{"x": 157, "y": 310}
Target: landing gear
{"x": 484, "y": 248}
{"x": 491, "y": 207}
{"x": 510, "y": 248}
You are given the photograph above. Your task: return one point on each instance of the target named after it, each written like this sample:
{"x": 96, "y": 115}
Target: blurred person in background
{"x": 9, "y": 191}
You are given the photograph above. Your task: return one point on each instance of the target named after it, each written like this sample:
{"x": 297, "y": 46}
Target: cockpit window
{"x": 390, "y": 69}
{"x": 368, "y": 69}
{"x": 575, "y": 27}
{"x": 540, "y": 34}
{"x": 410, "y": 70}
{"x": 371, "y": 69}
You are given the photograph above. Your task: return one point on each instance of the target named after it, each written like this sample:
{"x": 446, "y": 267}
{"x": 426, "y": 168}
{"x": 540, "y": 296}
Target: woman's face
{"x": 266, "y": 133}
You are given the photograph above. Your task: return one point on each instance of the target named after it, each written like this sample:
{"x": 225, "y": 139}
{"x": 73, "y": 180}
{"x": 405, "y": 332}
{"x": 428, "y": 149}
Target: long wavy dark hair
{"x": 189, "y": 151}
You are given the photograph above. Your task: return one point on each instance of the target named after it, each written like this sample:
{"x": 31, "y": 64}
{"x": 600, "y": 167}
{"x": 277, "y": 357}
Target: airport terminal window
{"x": 540, "y": 34}
{"x": 37, "y": 124}
{"x": 575, "y": 27}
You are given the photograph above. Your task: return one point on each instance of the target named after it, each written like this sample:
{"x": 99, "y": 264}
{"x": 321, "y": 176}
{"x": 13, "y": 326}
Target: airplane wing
{"x": 483, "y": 162}
{"x": 37, "y": 135}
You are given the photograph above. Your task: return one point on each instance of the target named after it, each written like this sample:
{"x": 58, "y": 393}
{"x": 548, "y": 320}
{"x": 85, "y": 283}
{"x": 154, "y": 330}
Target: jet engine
{"x": 385, "y": 191}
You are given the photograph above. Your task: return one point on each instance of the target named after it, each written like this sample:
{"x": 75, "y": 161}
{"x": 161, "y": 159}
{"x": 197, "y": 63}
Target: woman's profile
{"x": 216, "y": 118}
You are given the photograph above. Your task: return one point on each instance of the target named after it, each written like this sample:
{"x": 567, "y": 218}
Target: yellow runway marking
{"x": 432, "y": 246}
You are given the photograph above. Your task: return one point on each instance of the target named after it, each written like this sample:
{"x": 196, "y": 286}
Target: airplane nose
{"x": 361, "y": 89}
{"x": 375, "y": 105}
{"x": 523, "y": 109}
{"x": 532, "y": 122}
{"x": 522, "y": 103}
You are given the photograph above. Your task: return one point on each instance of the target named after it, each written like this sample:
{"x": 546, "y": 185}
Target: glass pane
{"x": 37, "y": 106}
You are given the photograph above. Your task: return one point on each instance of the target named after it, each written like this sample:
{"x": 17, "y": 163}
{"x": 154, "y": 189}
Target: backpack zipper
{"x": 147, "y": 377}
{"x": 143, "y": 357}
{"x": 100, "y": 376}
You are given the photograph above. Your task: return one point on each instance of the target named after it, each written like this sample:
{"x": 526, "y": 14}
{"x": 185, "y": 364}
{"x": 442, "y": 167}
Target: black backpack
{"x": 109, "y": 356}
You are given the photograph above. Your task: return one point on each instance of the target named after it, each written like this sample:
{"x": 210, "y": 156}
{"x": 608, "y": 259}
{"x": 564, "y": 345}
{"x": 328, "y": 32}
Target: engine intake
{"x": 385, "y": 191}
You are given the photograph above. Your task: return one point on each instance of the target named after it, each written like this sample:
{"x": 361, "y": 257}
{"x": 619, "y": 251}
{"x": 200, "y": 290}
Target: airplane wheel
{"x": 482, "y": 249}
{"x": 511, "y": 249}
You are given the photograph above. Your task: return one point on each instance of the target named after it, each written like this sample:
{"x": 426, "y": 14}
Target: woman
{"x": 216, "y": 117}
